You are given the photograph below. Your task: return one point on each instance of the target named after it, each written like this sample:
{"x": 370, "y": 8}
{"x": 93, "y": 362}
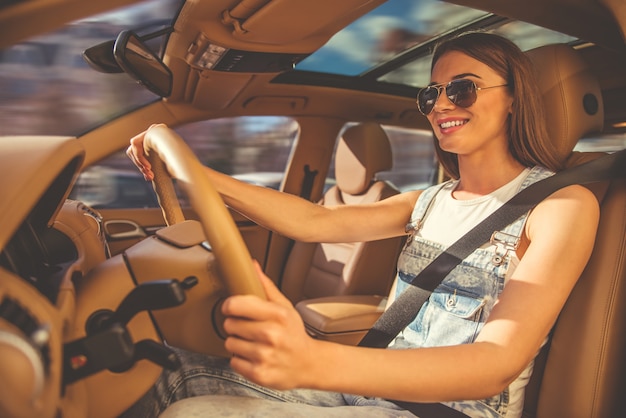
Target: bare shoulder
{"x": 411, "y": 196}
{"x": 569, "y": 208}
{"x": 405, "y": 199}
{"x": 571, "y": 196}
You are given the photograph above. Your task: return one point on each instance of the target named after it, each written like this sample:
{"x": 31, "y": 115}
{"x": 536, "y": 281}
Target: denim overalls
{"x": 460, "y": 305}
{"x": 454, "y": 314}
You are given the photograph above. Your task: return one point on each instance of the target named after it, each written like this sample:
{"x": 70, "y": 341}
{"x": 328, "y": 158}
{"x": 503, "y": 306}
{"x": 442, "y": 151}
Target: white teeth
{"x": 452, "y": 123}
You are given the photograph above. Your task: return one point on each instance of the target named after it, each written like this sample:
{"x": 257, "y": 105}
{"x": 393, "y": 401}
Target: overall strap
{"x": 407, "y": 305}
{"x": 423, "y": 204}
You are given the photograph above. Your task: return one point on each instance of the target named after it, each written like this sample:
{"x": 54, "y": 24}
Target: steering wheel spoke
{"x": 171, "y": 158}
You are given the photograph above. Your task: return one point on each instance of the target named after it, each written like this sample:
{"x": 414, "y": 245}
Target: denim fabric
{"x": 459, "y": 307}
{"x": 203, "y": 375}
{"x": 454, "y": 314}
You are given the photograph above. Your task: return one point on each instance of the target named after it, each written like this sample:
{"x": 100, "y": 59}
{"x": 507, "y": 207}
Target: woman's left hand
{"x": 267, "y": 338}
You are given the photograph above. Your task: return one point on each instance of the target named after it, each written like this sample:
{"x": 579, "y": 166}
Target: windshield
{"x": 46, "y": 87}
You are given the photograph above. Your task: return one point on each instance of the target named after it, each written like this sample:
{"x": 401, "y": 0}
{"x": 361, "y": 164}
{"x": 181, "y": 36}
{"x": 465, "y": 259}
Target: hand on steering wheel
{"x": 165, "y": 156}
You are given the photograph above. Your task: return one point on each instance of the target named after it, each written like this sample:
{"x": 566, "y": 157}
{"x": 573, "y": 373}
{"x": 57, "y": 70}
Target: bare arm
{"x": 521, "y": 319}
{"x": 305, "y": 221}
{"x": 293, "y": 216}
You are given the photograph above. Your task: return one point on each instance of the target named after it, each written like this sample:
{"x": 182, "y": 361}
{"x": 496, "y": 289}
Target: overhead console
{"x": 251, "y": 20}
{"x": 247, "y": 37}
{"x": 202, "y": 54}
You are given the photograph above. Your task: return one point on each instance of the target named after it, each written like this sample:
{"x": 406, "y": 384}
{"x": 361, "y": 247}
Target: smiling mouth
{"x": 452, "y": 124}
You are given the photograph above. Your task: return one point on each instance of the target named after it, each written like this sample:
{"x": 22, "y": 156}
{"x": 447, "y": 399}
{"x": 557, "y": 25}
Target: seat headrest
{"x": 363, "y": 151}
{"x": 571, "y": 94}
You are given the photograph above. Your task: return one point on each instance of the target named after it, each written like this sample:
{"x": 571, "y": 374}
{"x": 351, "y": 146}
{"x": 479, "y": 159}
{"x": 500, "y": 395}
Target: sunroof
{"x": 399, "y": 25}
{"x": 417, "y": 72}
{"x": 384, "y": 32}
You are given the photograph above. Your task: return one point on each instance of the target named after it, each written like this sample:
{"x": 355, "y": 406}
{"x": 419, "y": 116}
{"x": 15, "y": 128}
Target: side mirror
{"x": 138, "y": 61}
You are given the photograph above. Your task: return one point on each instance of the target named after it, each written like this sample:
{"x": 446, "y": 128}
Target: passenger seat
{"x": 359, "y": 268}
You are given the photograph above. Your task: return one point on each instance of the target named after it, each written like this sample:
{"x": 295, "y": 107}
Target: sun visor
{"x": 256, "y": 21}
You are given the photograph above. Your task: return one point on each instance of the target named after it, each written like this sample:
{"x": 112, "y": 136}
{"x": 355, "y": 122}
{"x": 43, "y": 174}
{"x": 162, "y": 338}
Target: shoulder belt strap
{"x": 407, "y": 305}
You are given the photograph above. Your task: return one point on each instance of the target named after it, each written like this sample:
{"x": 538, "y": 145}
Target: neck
{"x": 479, "y": 177}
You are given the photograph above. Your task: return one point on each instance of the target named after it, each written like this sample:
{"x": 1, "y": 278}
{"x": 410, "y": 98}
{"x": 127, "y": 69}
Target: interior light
{"x": 203, "y": 54}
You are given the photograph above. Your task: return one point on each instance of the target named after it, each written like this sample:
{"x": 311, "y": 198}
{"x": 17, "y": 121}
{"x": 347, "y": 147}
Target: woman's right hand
{"x": 137, "y": 155}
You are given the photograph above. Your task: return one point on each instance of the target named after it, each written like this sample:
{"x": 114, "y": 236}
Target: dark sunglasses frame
{"x": 461, "y": 92}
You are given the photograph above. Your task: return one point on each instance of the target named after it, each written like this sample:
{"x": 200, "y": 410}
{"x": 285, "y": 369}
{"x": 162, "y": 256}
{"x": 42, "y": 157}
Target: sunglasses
{"x": 461, "y": 92}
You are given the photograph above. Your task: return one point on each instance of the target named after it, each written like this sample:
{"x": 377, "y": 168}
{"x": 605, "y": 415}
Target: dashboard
{"x": 82, "y": 332}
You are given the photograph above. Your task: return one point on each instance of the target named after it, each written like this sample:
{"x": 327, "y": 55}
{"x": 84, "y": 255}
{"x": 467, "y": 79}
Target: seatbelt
{"x": 407, "y": 305}
{"x": 404, "y": 309}
{"x": 430, "y": 410}
{"x": 307, "y": 182}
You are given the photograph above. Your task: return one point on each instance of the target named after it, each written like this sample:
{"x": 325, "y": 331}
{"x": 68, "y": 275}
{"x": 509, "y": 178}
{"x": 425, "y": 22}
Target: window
{"x": 46, "y": 87}
{"x": 602, "y": 143}
{"x": 242, "y": 145}
{"x": 255, "y": 149}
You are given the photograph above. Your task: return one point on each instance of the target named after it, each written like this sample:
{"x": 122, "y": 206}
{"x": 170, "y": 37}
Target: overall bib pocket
{"x": 452, "y": 319}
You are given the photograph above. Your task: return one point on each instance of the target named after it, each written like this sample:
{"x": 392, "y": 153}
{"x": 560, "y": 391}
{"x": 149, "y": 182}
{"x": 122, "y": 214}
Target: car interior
{"x": 88, "y": 307}
{"x": 576, "y": 373}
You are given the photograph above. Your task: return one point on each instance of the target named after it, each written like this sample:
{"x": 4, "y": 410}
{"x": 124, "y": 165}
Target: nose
{"x": 442, "y": 103}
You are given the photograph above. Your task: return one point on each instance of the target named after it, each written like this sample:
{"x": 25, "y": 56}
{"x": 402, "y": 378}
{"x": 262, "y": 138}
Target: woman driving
{"x": 472, "y": 345}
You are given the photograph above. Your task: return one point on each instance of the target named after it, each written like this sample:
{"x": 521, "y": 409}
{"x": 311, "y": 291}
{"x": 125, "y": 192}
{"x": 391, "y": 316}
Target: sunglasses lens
{"x": 426, "y": 99}
{"x": 461, "y": 92}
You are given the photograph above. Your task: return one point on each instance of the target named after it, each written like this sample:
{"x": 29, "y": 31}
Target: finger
{"x": 252, "y": 361}
{"x": 248, "y": 369}
{"x": 271, "y": 291}
{"x": 242, "y": 348}
{"x": 264, "y": 332}
{"x": 241, "y": 328}
{"x": 249, "y": 307}
{"x": 137, "y": 149}
{"x": 242, "y": 366}
{"x": 137, "y": 155}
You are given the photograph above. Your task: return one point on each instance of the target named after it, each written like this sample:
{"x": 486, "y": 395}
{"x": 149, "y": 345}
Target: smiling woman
{"x": 97, "y": 290}
{"x": 477, "y": 312}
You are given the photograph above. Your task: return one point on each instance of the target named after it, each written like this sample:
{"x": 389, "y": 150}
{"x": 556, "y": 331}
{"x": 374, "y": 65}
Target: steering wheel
{"x": 171, "y": 158}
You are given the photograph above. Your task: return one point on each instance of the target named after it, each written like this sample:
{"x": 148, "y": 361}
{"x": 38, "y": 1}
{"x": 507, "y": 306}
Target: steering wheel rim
{"x": 171, "y": 158}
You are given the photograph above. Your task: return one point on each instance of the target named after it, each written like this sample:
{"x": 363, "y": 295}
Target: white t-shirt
{"x": 448, "y": 219}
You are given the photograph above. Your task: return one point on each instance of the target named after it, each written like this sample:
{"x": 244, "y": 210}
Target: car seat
{"x": 581, "y": 371}
{"x": 315, "y": 270}
{"x": 580, "y": 374}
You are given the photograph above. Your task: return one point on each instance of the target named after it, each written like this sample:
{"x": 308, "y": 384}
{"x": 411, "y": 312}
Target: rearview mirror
{"x": 138, "y": 61}
{"x": 100, "y": 58}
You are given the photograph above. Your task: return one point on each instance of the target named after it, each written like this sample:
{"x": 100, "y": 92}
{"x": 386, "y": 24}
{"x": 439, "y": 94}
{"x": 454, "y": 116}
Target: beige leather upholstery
{"x": 585, "y": 363}
{"x": 360, "y": 268}
{"x": 571, "y": 95}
